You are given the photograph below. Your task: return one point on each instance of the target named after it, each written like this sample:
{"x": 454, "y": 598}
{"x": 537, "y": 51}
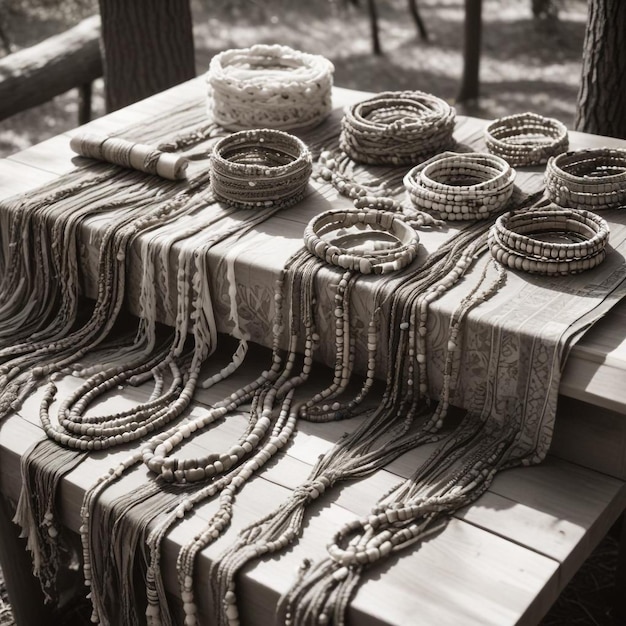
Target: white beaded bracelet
{"x": 550, "y": 241}
{"x": 461, "y": 186}
{"x": 397, "y": 128}
{"x": 526, "y": 138}
{"x": 260, "y": 169}
{"x": 588, "y": 179}
{"x": 269, "y": 86}
{"x": 367, "y": 241}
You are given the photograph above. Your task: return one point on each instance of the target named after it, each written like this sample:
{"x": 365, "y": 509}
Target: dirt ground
{"x": 527, "y": 64}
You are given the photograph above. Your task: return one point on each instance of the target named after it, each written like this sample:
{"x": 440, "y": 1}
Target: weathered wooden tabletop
{"x": 503, "y": 560}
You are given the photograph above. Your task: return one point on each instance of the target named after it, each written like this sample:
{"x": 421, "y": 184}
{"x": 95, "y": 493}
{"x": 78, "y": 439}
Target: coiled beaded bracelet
{"x": 461, "y": 186}
{"x": 260, "y": 168}
{"x": 526, "y": 138}
{"x": 396, "y": 128}
{"x": 588, "y": 179}
{"x": 367, "y": 241}
{"x": 269, "y": 86}
{"x": 550, "y": 241}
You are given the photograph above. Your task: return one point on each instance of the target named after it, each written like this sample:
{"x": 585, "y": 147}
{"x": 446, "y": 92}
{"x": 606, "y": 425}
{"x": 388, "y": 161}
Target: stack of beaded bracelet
{"x": 526, "y": 138}
{"x": 260, "y": 169}
{"x": 396, "y": 128}
{"x": 269, "y": 86}
{"x": 550, "y": 241}
{"x": 367, "y": 241}
{"x": 588, "y": 179}
{"x": 461, "y": 186}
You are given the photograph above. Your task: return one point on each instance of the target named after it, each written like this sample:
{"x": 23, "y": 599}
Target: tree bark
{"x": 602, "y": 96}
{"x": 148, "y": 47}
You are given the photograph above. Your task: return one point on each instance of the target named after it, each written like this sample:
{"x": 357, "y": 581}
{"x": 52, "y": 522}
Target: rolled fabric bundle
{"x": 469, "y": 186}
{"x": 526, "y": 138}
{"x": 551, "y": 241}
{"x": 260, "y": 169}
{"x": 588, "y": 179}
{"x": 269, "y": 86}
{"x": 125, "y": 153}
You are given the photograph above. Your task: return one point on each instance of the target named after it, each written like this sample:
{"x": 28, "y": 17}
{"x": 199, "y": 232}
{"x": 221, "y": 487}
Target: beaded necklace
{"x": 398, "y": 423}
{"x": 447, "y": 481}
{"x": 73, "y": 428}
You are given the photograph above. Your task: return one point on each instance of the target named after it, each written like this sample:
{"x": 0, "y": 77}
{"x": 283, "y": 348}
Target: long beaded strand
{"x": 322, "y": 592}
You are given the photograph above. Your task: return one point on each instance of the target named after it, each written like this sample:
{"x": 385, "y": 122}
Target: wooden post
{"x": 147, "y": 47}
{"x": 620, "y": 573}
{"x": 602, "y": 96}
{"x": 470, "y": 80}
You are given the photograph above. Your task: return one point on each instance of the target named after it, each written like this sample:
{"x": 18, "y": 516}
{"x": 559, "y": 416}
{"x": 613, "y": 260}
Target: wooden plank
{"x": 37, "y": 74}
{"x": 459, "y": 565}
{"x": 591, "y": 436}
{"x": 544, "y": 525}
{"x": 521, "y": 514}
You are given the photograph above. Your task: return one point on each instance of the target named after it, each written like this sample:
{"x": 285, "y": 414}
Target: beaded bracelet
{"x": 367, "y": 241}
{"x": 461, "y": 186}
{"x": 260, "y": 168}
{"x": 588, "y": 179}
{"x": 128, "y": 154}
{"x": 269, "y": 86}
{"x": 551, "y": 241}
{"x": 396, "y": 128}
{"x": 526, "y": 138}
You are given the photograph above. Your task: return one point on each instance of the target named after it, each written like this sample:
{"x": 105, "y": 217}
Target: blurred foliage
{"x": 66, "y": 10}
{"x": 17, "y": 15}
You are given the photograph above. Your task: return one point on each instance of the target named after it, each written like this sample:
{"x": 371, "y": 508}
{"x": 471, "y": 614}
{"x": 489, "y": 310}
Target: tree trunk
{"x": 602, "y": 95}
{"x": 148, "y": 47}
{"x": 470, "y": 79}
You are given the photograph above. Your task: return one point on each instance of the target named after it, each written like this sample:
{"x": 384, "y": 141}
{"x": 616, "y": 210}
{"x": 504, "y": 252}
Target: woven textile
{"x": 512, "y": 346}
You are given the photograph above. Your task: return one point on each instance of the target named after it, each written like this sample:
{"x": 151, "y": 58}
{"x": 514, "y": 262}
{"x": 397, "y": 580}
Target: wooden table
{"x": 503, "y": 560}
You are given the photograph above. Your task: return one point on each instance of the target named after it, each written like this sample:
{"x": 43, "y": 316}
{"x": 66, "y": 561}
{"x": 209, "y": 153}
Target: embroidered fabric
{"x": 391, "y": 322}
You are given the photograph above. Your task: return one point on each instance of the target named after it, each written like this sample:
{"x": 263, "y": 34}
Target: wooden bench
{"x": 503, "y": 560}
